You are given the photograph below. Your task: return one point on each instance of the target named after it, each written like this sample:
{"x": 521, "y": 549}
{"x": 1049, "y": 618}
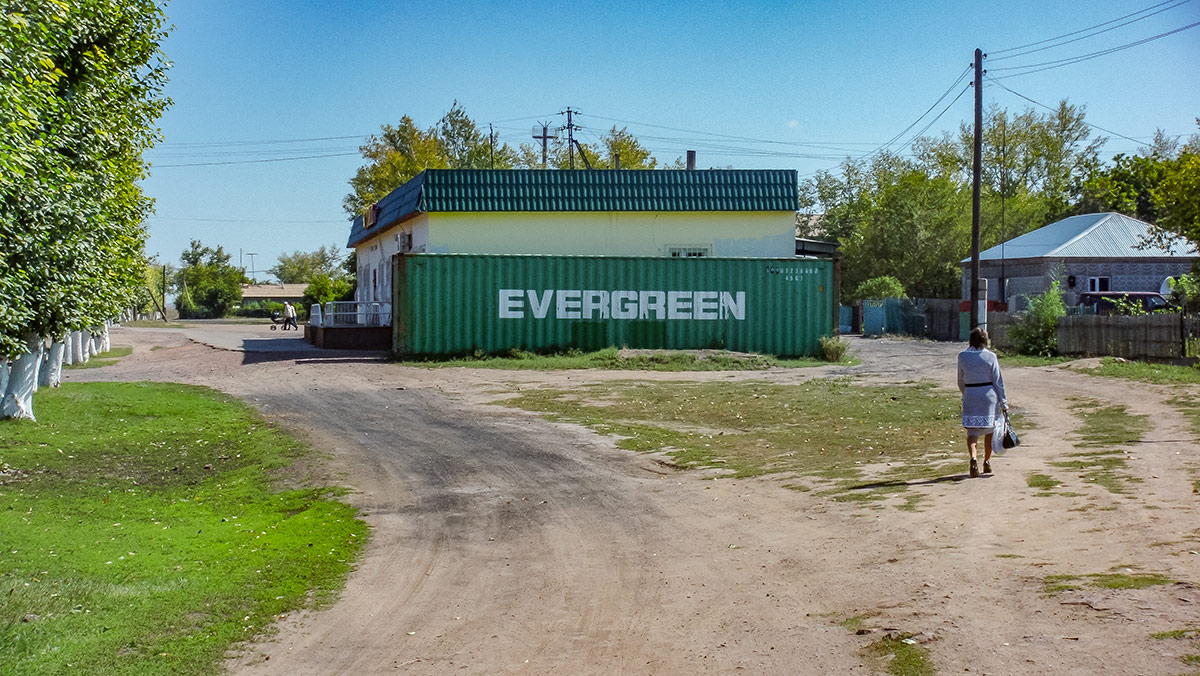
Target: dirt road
{"x": 505, "y": 544}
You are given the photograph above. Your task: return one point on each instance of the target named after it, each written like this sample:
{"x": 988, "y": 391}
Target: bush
{"x": 878, "y": 288}
{"x": 323, "y": 289}
{"x": 834, "y": 348}
{"x": 1036, "y": 332}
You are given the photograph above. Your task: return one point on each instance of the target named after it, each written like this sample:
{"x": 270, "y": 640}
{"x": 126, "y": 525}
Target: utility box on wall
{"x": 448, "y": 304}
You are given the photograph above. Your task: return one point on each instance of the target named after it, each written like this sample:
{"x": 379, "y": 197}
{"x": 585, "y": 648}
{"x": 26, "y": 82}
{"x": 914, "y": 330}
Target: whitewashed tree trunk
{"x": 89, "y": 344}
{"x": 77, "y": 347}
{"x": 22, "y": 382}
{"x": 4, "y": 365}
{"x": 105, "y": 339}
{"x": 51, "y": 373}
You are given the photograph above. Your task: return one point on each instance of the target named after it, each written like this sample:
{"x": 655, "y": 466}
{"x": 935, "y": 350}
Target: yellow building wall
{"x": 756, "y": 234}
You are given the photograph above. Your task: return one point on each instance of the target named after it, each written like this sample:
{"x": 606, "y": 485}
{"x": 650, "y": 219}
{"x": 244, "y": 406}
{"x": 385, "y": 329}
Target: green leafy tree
{"x": 1177, "y": 198}
{"x": 1036, "y": 332}
{"x": 600, "y": 155}
{"x": 878, "y": 288}
{"x": 301, "y": 267}
{"x": 323, "y": 289}
{"x": 81, "y": 85}
{"x": 208, "y": 285}
{"x": 397, "y": 154}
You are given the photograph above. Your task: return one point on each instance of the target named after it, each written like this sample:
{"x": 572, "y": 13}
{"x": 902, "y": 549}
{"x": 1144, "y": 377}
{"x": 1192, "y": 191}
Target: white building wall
{"x": 757, "y": 234}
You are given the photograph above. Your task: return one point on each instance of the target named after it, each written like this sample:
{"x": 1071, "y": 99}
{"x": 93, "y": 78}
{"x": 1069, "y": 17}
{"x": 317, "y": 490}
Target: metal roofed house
{"x": 1092, "y": 252}
{"x": 722, "y": 213}
{"x": 275, "y": 293}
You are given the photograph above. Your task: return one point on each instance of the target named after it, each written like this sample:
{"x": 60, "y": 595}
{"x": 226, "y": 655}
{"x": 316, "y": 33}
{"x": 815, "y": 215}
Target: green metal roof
{"x": 541, "y": 190}
{"x": 600, "y": 190}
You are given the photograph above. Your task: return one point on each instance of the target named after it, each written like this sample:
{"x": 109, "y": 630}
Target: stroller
{"x": 277, "y": 320}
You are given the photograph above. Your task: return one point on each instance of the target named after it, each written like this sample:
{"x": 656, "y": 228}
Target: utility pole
{"x": 570, "y": 133}
{"x": 977, "y": 307}
{"x": 491, "y": 145}
{"x": 544, "y": 137}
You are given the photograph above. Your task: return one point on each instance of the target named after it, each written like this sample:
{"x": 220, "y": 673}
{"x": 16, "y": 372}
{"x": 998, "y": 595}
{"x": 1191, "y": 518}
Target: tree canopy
{"x": 300, "y": 267}
{"x": 81, "y": 86}
{"x": 207, "y": 285}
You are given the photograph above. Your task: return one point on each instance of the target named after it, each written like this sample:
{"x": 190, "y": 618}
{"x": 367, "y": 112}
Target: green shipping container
{"x": 448, "y": 304}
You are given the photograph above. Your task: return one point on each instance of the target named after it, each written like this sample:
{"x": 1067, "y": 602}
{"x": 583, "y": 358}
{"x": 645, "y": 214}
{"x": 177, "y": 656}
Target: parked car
{"x": 1103, "y": 302}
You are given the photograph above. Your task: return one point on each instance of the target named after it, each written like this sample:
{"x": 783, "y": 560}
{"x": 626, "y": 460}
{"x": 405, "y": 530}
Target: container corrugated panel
{"x": 448, "y": 304}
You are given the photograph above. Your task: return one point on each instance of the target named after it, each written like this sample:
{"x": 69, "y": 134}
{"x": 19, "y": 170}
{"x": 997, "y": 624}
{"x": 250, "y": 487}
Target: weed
{"x": 833, "y": 348}
{"x": 1162, "y": 374}
{"x": 1054, "y": 584}
{"x": 613, "y": 359}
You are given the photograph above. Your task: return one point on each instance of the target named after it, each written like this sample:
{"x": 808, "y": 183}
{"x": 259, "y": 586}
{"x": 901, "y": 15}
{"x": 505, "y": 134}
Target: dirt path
{"x": 502, "y": 543}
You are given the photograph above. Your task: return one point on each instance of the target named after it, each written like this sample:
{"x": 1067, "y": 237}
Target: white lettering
{"x": 624, "y": 304}
{"x": 679, "y": 305}
{"x": 593, "y": 301}
{"x": 706, "y": 305}
{"x": 511, "y": 306}
{"x": 542, "y": 306}
{"x": 568, "y": 303}
{"x": 733, "y": 305}
{"x": 652, "y": 300}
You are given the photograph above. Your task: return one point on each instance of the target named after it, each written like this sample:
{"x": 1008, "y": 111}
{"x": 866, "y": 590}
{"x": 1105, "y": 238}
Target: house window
{"x": 688, "y": 251}
{"x": 1098, "y": 284}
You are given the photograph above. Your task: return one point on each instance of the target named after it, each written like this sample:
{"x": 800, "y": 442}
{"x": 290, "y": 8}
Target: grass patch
{"x": 860, "y": 442}
{"x": 1015, "y": 360}
{"x": 613, "y": 359}
{"x": 902, "y": 658}
{"x": 1161, "y": 374}
{"x": 146, "y": 531}
{"x": 1105, "y": 426}
{"x": 154, "y": 324}
{"x": 1054, "y": 584}
{"x": 103, "y": 359}
{"x": 1043, "y": 482}
{"x": 1189, "y": 633}
{"x": 1009, "y": 556}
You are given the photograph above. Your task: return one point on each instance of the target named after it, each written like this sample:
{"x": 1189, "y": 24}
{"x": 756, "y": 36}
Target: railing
{"x": 353, "y": 313}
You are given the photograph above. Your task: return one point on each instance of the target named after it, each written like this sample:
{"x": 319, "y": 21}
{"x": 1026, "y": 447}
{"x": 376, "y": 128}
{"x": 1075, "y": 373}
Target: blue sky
{"x": 267, "y": 80}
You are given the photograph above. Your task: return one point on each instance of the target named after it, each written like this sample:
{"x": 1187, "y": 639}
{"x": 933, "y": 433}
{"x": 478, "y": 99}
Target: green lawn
{"x": 149, "y": 527}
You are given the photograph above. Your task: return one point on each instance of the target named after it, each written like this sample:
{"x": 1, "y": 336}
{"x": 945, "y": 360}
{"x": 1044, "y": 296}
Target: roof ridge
{"x": 1083, "y": 233}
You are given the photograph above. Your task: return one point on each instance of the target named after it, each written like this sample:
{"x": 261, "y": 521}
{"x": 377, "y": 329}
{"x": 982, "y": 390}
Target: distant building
{"x": 275, "y": 293}
{"x": 1092, "y": 252}
{"x": 723, "y": 213}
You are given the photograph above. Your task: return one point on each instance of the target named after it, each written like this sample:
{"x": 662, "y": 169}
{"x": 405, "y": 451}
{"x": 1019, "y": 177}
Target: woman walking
{"x": 983, "y": 399}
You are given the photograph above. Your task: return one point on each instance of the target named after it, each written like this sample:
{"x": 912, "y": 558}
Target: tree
{"x": 323, "y": 289}
{"x": 301, "y": 267}
{"x": 600, "y": 155}
{"x": 399, "y": 153}
{"x": 878, "y": 288}
{"x": 81, "y": 85}
{"x": 1178, "y": 198}
{"x": 208, "y": 285}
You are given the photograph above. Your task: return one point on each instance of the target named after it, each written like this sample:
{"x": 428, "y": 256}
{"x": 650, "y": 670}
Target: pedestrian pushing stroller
{"x": 277, "y": 321}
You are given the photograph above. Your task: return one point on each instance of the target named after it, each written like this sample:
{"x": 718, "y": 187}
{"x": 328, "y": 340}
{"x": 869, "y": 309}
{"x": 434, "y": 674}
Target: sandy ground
{"x": 505, "y": 544}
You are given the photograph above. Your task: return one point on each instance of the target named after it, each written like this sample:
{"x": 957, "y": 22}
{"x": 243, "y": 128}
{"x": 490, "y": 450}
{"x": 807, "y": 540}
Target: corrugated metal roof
{"x": 1105, "y": 235}
{"x": 537, "y": 190}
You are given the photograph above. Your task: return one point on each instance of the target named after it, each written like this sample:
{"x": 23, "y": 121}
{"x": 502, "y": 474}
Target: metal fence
{"x": 352, "y": 313}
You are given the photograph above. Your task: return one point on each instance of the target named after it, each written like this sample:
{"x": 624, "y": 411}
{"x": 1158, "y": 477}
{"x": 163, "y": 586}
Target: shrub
{"x": 834, "y": 348}
{"x": 878, "y": 288}
{"x": 1036, "y": 332}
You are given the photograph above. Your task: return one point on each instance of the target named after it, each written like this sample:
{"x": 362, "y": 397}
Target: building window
{"x": 1096, "y": 284}
{"x": 688, "y": 251}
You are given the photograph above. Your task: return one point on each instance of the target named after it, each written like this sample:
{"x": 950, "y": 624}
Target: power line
{"x": 243, "y": 220}
{"x": 1048, "y": 65}
{"x": 1094, "y": 126}
{"x": 904, "y": 131}
{"x": 273, "y": 159}
{"x": 1081, "y": 30}
{"x": 1090, "y": 35}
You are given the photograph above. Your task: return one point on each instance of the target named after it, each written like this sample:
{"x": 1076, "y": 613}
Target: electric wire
{"x": 262, "y": 161}
{"x": 1059, "y": 63}
{"x": 1081, "y": 30}
{"x": 1090, "y": 35}
{"x": 891, "y": 141}
{"x": 1038, "y": 103}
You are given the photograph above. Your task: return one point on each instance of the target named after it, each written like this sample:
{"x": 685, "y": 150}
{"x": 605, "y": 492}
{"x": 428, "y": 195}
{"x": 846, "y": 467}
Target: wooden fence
{"x": 1156, "y": 337}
